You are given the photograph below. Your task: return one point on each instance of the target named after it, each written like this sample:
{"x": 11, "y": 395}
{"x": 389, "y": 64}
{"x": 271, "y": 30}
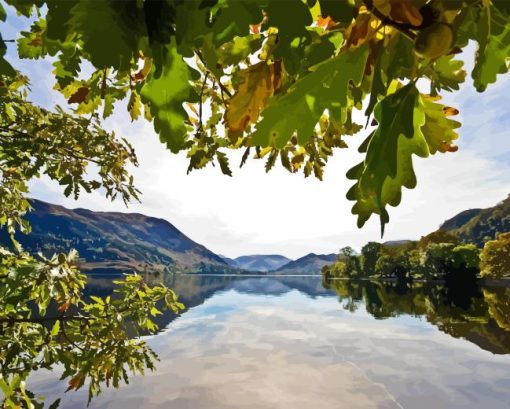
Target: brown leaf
{"x": 277, "y": 75}
{"x": 144, "y": 71}
{"x": 79, "y": 96}
{"x": 358, "y": 31}
{"x": 75, "y": 382}
{"x": 64, "y": 307}
{"x": 36, "y": 42}
{"x": 450, "y": 111}
{"x": 403, "y": 11}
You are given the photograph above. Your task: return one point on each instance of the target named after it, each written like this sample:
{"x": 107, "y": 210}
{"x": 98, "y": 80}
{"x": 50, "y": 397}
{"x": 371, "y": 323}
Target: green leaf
{"x": 116, "y": 23}
{"x": 223, "y": 161}
{"x": 233, "y": 18}
{"x": 493, "y": 36}
{"x": 5, "y": 67}
{"x": 67, "y": 65}
{"x": 341, "y": 11}
{"x": 299, "y": 110}
{"x": 238, "y": 49}
{"x": 34, "y": 43}
{"x": 322, "y": 46}
{"x": 55, "y": 329}
{"x": 134, "y": 105}
{"x": 3, "y": 14}
{"x": 388, "y": 163}
{"x": 292, "y": 33}
{"x": 166, "y": 94}
{"x": 447, "y": 74}
{"x": 55, "y": 404}
{"x": 438, "y": 129}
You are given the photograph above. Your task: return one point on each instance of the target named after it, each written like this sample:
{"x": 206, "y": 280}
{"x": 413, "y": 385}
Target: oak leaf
{"x": 257, "y": 84}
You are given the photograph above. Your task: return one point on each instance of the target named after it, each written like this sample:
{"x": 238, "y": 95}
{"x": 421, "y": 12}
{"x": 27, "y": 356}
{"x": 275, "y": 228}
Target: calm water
{"x": 289, "y": 342}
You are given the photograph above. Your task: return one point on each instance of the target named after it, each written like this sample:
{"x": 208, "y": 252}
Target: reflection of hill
{"x": 481, "y": 317}
{"x": 194, "y": 290}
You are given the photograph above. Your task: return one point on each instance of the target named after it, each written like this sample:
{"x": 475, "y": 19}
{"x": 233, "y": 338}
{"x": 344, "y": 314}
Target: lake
{"x": 295, "y": 342}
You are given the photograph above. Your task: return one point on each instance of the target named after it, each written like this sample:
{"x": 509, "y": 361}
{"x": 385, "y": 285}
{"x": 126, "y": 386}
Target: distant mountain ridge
{"x": 479, "y": 225}
{"x": 258, "y": 262}
{"x": 112, "y": 240}
{"x": 309, "y": 264}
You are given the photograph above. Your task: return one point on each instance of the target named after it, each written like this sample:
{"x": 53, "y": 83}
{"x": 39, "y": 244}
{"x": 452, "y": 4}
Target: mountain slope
{"x": 111, "y": 240}
{"x": 479, "y": 225}
{"x": 258, "y": 262}
{"x": 309, "y": 264}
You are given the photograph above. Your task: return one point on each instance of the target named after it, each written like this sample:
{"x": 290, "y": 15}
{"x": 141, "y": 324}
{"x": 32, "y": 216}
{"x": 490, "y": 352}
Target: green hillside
{"x": 109, "y": 241}
{"x": 479, "y": 225}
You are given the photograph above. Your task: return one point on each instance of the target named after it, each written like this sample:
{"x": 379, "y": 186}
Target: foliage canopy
{"x": 280, "y": 79}
{"x": 282, "y": 87}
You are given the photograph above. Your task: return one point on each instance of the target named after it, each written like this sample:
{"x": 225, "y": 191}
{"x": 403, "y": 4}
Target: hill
{"x": 479, "y": 225}
{"x": 115, "y": 241}
{"x": 258, "y": 262}
{"x": 309, "y": 264}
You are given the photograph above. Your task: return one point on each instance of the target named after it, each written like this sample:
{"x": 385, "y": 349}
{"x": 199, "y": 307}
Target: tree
{"x": 369, "y": 254}
{"x": 281, "y": 87}
{"x": 44, "y": 319}
{"x": 351, "y": 266}
{"x": 385, "y": 266}
{"x": 495, "y": 257}
{"x": 466, "y": 257}
{"x": 391, "y": 264}
{"x": 437, "y": 258}
{"x": 438, "y": 237}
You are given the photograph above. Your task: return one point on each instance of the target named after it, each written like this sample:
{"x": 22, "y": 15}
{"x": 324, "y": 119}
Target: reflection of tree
{"x": 498, "y": 300}
{"x": 462, "y": 312}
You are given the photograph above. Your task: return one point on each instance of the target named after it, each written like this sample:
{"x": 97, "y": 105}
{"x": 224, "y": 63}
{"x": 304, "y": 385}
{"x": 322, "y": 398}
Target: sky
{"x": 283, "y": 213}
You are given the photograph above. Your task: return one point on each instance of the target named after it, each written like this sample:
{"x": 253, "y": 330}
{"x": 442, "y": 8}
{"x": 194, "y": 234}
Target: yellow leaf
{"x": 134, "y": 105}
{"x": 257, "y": 84}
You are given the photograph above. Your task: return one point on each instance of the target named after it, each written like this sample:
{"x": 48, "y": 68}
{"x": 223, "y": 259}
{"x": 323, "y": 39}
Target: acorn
{"x": 434, "y": 41}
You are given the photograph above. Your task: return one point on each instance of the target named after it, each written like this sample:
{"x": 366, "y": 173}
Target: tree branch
{"x": 402, "y": 27}
{"x": 41, "y": 320}
{"x": 222, "y": 87}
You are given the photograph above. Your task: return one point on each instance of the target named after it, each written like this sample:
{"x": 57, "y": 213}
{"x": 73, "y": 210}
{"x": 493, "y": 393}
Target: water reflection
{"x": 294, "y": 342}
{"x": 479, "y": 315}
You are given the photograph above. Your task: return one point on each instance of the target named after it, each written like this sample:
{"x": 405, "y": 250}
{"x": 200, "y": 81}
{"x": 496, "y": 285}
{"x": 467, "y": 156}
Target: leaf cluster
{"x": 229, "y": 74}
{"x": 45, "y": 321}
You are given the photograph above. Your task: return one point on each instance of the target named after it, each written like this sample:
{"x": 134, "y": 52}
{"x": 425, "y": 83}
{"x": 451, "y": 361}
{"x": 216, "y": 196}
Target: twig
{"x": 222, "y": 87}
{"x": 402, "y": 27}
{"x": 66, "y": 337}
{"x": 200, "y": 127}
